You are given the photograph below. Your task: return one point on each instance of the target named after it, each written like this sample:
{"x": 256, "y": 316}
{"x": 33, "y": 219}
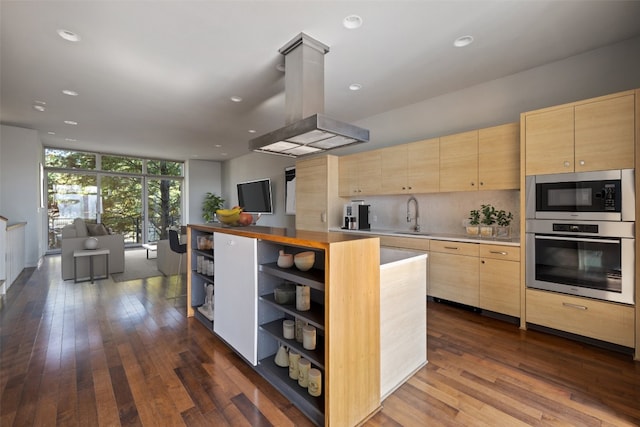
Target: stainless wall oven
{"x": 580, "y": 234}
{"x": 591, "y": 259}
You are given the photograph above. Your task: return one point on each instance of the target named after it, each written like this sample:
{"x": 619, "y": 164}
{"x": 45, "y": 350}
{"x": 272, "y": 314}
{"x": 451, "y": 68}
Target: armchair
{"x": 73, "y": 238}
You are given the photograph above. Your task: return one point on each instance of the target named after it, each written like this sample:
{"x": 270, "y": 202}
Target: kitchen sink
{"x": 413, "y": 233}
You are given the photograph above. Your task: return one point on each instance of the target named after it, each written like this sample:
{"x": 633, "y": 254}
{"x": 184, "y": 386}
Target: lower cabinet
{"x": 601, "y": 320}
{"x": 500, "y": 279}
{"x": 486, "y": 276}
{"x": 454, "y": 272}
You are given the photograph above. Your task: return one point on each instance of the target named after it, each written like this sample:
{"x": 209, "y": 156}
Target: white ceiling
{"x": 155, "y": 77}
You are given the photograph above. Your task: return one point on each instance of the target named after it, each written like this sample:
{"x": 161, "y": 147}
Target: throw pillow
{"x": 81, "y": 227}
{"x": 96, "y": 230}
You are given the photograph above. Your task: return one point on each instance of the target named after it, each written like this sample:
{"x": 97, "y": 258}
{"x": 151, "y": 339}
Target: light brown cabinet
{"x": 500, "y": 279}
{"x": 499, "y": 157}
{"x": 459, "y": 162}
{"x": 318, "y": 206}
{"x": 484, "y": 159}
{"x": 454, "y": 272}
{"x": 360, "y": 174}
{"x": 596, "y": 134}
{"x": 411, "y": 168}
{"x": 583, "y": 316}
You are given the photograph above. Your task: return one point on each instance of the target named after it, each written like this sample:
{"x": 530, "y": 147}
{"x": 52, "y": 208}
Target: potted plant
{"x": 503, "y": 219}
{"x": 210, "y": 205}
{"x": 474, "y": 222}
{"x": 487, "y": 221}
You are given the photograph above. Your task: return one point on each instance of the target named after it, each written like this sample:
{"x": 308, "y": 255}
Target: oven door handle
{"x": 577, "y": 239}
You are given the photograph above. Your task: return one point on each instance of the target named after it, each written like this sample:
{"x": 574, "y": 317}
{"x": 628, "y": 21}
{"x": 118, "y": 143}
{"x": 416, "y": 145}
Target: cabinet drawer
{"x": 596, "y": 319}
{"x": 508, "y": 253}
{"x": 456, "y": 248}
{"x": 405, "y": 242}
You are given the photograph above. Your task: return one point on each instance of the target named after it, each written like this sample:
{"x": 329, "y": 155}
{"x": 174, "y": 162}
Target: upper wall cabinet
{"x": 411, "y": 168}
{"x": 596, "y": 134}
{"x": 360, "y": 174}
{"x": 499, "y": 157}
{"x": 317, "y": 202}
{"x": 459, "y": 162}
{"x": 485, "y": 159}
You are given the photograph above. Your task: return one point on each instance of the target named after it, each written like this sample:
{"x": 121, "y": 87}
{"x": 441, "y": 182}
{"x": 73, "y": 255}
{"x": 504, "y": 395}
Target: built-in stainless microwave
{"x": 598, "y": 196}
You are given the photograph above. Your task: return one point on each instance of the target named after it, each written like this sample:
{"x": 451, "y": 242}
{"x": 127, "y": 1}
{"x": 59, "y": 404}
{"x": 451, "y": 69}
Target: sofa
{"x": 73, "y": 238}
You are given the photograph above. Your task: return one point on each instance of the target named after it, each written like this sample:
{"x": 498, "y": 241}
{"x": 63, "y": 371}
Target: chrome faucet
{"x": 416, "y": 227}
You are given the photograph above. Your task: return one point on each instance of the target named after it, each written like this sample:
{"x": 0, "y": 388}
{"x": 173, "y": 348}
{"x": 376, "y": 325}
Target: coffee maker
{"x": 356, "y": 216}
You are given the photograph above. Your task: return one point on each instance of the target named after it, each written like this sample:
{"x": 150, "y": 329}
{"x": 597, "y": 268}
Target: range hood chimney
{"x": 307, "y": 129}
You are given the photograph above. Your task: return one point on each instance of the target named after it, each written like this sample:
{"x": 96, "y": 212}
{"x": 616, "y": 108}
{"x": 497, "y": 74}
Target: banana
{"x": 229, "y": 216}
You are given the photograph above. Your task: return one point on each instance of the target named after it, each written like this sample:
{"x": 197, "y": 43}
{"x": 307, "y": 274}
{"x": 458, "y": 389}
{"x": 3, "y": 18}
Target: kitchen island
{"x": 345, "y": 310}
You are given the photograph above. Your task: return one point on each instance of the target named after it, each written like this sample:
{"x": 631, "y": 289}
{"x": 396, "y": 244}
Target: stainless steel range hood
{"x": 307, "y": 129}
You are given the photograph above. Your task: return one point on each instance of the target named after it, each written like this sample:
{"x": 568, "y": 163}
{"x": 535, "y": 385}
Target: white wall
{"x": 599, "y": 72}
{"x": 201, "y": 176}
{"x": 20, "y": 187}
{"x": 257, "y": 166}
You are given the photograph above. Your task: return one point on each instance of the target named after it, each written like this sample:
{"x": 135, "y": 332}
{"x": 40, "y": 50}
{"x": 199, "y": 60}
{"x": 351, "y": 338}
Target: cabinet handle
{"x": 451, "y": 247}
{"x": 579, "y": 307}
{"x": 473, "y": 184}
{"x": 567, "y": 164}
{"x": 410, "y": 187}
{"x": 482, "y": 261}
{"x": 499, "y": 253}
{"x": 581, "y": 162}
{"x": 481, "y": 183}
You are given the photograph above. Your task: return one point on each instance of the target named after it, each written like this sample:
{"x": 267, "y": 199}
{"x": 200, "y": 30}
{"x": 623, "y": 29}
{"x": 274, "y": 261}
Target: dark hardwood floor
{"x": 111, "y": 354}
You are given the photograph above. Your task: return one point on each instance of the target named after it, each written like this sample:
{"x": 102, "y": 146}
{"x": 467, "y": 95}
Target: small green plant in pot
{"x": 474, "y": 222}
{"x": 503, "y": 219}
{"x": 210, "y": 205}
{"x": 487, "y": 221}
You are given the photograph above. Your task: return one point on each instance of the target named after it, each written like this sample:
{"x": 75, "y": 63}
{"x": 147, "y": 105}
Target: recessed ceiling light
{"x": 38, "y": 107}
{"x": 355, "y": 86}
{"x": 70, "y": 92}
{"x": 40, "y": 102}
{"x": 51, "y": 133}
{"x": 223, "y": 154}
{"x": 236, "y": 99}
{"x": 70, "y": 122}
{"x": 463, "y": 41}
{"x": 352, "y": 22}
{"x": 68, "y": 35}
{"x": 217, "y": 145}
{"x": 252, "y": 131}
{"x": 70, "y": 139}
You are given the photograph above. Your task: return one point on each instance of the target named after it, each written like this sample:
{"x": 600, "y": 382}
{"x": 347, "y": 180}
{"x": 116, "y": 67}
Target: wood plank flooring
{"x": 120, "y": 354}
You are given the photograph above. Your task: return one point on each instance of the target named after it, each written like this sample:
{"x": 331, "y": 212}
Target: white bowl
{"x": 304, "y": 260}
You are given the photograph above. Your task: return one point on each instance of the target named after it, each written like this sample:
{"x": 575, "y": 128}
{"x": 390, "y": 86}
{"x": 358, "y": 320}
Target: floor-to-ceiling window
{"x": 138, "y": 198}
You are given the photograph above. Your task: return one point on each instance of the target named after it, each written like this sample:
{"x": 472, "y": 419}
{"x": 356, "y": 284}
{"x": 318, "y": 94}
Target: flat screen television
{"x": 255, "y": 196}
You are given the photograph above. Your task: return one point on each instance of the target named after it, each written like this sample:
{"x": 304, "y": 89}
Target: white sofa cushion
{"x": 81, "y": 227}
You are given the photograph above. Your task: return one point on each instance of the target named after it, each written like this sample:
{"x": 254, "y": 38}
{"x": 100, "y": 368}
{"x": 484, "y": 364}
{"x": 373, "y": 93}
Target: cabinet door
{"x": 348, "y": 176}
{"x": 604, "y": 134}
{"x": 499, "y": 157}
{"x": 369, "y": 172}
{"x": 236, "y": 293}
{"x": 423, "y": 166}
{"x": 311, "y": 194}
{"x": 549, "y": 141}
{"x": 500, "y": 286}
{"x": 394, "y": 166}
{"x": 453, "y": 278}
{"x": 459, "y": 162}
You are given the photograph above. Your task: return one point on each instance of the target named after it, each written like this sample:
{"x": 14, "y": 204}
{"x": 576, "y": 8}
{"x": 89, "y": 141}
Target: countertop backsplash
{"x": 440, "y": 212}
